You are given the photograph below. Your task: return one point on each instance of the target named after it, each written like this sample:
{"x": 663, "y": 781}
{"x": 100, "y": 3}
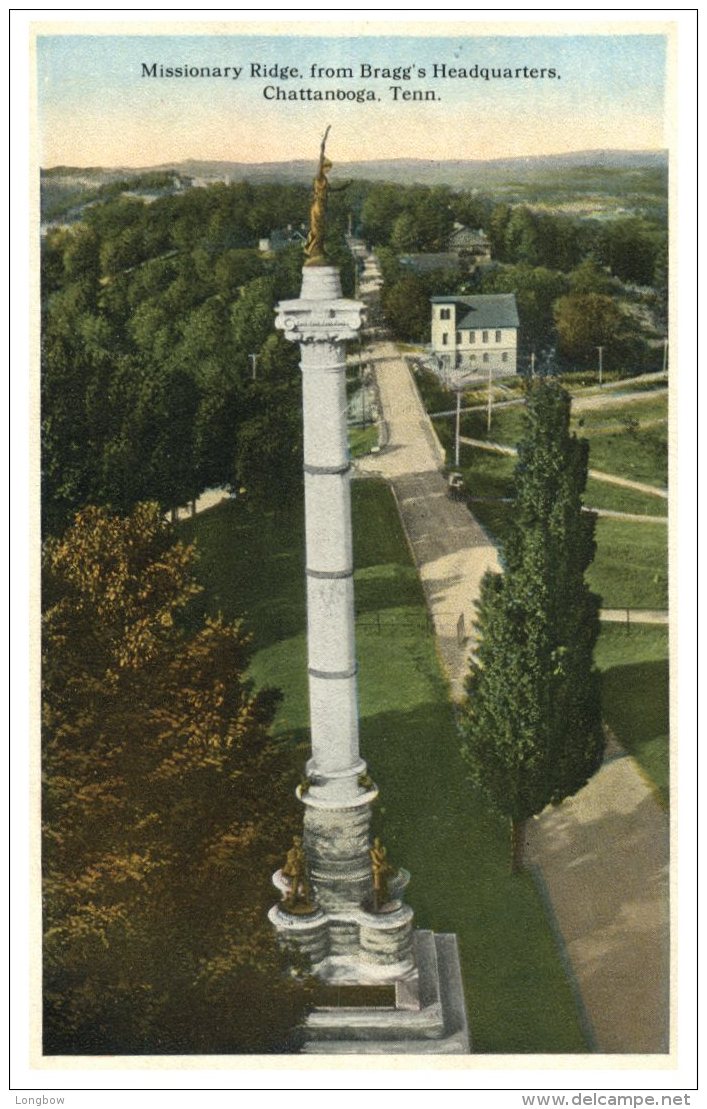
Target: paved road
{"x": 602, "y": 856}
{"x": 450, "y": 548}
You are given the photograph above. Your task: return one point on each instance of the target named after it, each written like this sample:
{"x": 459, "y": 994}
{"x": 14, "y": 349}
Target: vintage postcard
{"x": 354, "y": 388}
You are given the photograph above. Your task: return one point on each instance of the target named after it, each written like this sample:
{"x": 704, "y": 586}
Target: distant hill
{"x": 461, "y": 173}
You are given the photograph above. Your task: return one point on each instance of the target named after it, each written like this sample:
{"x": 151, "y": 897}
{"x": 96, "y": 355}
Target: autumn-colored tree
{"x": 531, "y": 722}
{"x": 166, "y": 807}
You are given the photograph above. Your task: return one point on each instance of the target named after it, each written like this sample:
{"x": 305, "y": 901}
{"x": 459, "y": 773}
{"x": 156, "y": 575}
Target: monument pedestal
{"x": 338, "y": 927}
{"x": 429, "y": 1016}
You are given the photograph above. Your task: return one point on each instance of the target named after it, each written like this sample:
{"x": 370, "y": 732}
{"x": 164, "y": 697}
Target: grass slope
{"x": 432, "y": 822}
{"x": 635, "y": 696}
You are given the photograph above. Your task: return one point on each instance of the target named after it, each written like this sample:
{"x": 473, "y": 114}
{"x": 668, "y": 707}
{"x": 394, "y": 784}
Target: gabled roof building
{"x": 477, "y": 334}
{"x": 466, "y": 240}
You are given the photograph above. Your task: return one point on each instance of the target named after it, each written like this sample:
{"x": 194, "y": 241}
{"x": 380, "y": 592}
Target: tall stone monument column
{"x": 341, "y": 901}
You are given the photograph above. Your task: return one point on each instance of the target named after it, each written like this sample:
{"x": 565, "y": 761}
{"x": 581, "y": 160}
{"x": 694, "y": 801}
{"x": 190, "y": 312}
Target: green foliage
{"x": 411, "y": 219}
{"x": 159, "y": 780}
{"x": 381, "y": 208}
{"x": 407, "y": 308}
{"x": 589, "y": 277}
{"x": 536, "y": 290}
{"x": 269, "y": 451}
{"x": 585, "y": 321}
{"x": 150, "y": 313}
{"x": 532, "y": 721}
{"x": 434, "y": 395}
{"x": 632, "y": 248}
{"x": 631, "y": 566}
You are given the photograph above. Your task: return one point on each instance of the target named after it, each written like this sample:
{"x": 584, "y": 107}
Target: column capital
{"x": 316, "y": 321}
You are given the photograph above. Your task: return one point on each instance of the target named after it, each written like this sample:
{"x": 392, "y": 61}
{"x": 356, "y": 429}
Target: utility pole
{"x": 532, "y": 364}
{"x": 253, "y": 362}
{"x": 489, "y": 404}
{"x": 601, "y": 363}
{"x": 665, "y": 354}
{"x": 456, "y": 437}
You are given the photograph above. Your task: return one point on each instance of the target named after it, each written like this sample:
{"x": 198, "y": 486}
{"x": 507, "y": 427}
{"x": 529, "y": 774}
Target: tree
{"x": 584, "y": 322}
{"x": 590, "y": 277}
{"x": 407, "y": 308}
{"x": 269, "y": 451}
{"x": 160, "y": 781}
{"x": 630, "y": 248}
{"x": 521, "y": 241}
{"x": 531, "y": 721}
{"x": 497, "y": 227}
{"x": 536, "y": 290}
{"x": 381, "y": 208}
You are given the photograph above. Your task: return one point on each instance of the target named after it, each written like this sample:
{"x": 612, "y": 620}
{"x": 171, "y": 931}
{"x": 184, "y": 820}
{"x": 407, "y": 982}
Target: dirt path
{"x": 601, "y": 857}
{"x": 599, "y": 475}
{"x": 579, "y": 403}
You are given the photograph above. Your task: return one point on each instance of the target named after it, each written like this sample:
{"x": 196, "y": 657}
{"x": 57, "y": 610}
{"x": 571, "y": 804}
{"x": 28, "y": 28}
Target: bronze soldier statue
{"x": 382, "y": 871}
{"x": 299, "y": 898}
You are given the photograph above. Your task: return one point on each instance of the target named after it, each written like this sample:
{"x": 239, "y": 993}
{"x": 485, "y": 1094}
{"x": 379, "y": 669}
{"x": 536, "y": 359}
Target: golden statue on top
{"x": 314, "y": 246}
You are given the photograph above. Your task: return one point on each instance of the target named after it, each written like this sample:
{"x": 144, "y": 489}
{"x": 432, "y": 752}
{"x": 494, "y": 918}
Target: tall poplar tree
{"x": 531, "y": 721}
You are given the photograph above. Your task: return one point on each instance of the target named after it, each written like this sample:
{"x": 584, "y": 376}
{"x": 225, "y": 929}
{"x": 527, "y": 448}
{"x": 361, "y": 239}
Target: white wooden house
{"x": 476, "y": 333}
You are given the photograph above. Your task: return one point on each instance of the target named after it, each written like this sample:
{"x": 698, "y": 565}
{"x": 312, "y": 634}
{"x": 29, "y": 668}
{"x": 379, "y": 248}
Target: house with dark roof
{"x": 283, "y": 237}
{"x": 477, "y": 333}
{"x": 466, "y": 240}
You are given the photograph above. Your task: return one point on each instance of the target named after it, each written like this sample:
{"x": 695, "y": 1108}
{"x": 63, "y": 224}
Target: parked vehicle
{"x": 455, "y": 486}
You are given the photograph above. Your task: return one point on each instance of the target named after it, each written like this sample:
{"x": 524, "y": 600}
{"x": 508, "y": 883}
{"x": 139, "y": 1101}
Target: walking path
{"x": 602, "y": 856}
{"x": 634, "y": 616}
{"x": 599, "y": 475}
{"x": 579, "y": 403}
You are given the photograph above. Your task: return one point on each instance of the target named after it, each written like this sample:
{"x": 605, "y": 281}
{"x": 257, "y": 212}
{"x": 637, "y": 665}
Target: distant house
{"x": 476, "y": 333}
{"x": 283, "y": 237}
{"x": 206, "y": 182}
{"x": 464, "y": 241}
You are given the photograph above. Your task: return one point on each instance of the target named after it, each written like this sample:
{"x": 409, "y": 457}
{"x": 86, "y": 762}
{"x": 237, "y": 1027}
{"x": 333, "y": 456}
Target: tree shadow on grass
{"x": 635, "y": 704}
{"x": 436, "y": 824}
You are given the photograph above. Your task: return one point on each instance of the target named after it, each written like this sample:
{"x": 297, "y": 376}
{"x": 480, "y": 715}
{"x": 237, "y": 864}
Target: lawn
{"x": 488, "y": 474}
{"x": 600, "y": 494}
{"x": 635, "y": 696}
{"x": 630, "y": 567}
{"x": 430, "y": 818}
{"x": 639, "y": 453}
{"x": 362, "y": 440}
{"x": 614, "y": 411}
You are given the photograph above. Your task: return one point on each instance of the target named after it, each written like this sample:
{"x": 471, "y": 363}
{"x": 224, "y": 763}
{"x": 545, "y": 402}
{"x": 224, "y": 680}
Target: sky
{"x": 96, "y": 108}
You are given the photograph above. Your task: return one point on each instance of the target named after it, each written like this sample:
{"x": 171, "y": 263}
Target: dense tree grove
{"x": 542, "y": 256}
{"x": 151, "y": 316}
{"x": 531, "y": 722}
{"x": 157, "y": 847}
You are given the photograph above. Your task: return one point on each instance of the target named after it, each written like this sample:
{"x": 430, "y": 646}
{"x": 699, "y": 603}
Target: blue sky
{"x": 95, "y": 107}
